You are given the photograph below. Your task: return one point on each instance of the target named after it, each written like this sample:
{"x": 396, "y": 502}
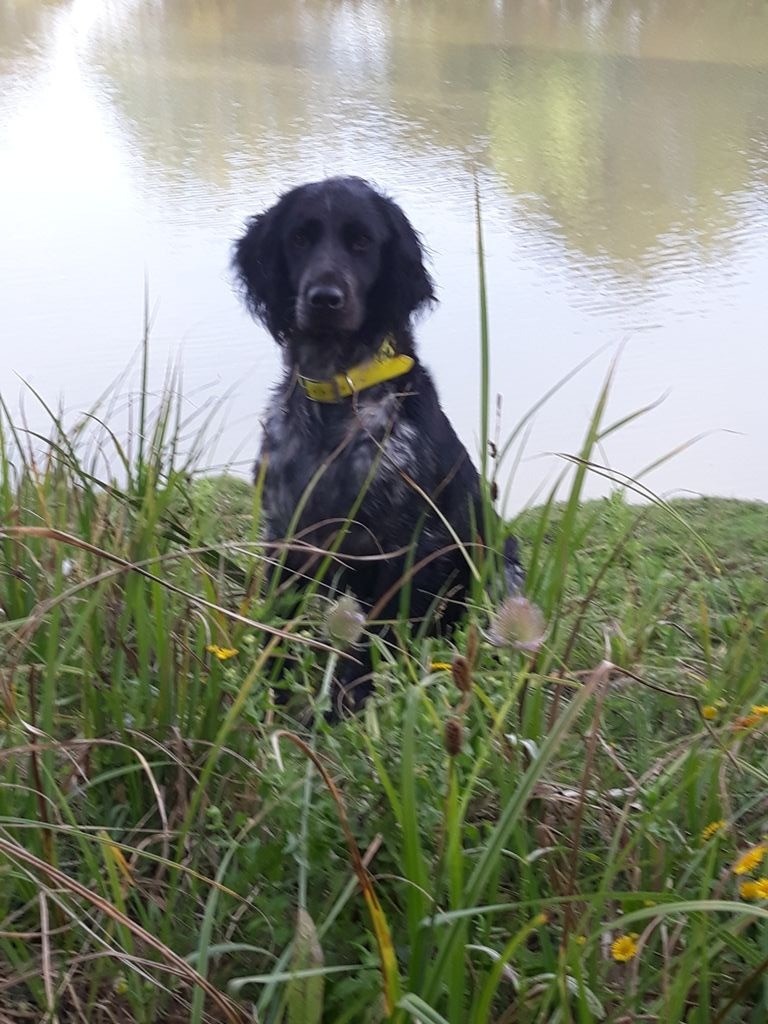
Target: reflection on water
{"x": 621, "y": 148}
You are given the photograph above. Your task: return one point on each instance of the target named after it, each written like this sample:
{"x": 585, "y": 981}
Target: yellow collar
{"x": 385, "y": 365}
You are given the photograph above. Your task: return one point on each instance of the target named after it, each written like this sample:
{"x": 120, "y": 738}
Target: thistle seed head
{"x": 344, "y": 622}
{"x": 519, "y": 624}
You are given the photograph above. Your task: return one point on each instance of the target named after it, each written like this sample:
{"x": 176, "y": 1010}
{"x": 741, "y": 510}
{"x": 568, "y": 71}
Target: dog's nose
{"x": 325, "y": 296}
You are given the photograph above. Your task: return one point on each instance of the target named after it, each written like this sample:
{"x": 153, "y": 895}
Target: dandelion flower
{"x": 760, "y": 710}
{"x": 754, "y": 890}
{"x": 750, "y": 860}
{"x": 624, "y": 948}
{"x": 712, "y": 829}
{"x": 709, "y": 711}
{"x": 344, "y": 621}
{"x": 519, "y": 624}
{"x": 440, "y": 666}
{"x": 222, "y": 653}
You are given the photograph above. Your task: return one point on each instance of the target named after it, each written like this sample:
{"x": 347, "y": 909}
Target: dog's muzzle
{"x": 328, "y": 305}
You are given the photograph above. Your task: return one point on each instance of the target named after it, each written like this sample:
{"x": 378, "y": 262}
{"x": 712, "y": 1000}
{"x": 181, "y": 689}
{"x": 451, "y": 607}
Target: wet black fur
{"x": 340, "y": 241}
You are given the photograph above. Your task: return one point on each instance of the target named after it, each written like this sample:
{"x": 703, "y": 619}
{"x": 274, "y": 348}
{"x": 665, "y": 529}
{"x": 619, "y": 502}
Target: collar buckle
{"x": 384, "y": 365}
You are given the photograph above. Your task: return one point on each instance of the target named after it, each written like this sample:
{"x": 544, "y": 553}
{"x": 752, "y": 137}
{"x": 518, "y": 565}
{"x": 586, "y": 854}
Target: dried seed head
{"x": 472, "y": 645}
{"x": 344, "y": 621}
{"x": 462, "y": 673}
{"x": 518, "y": 623}
{"x": 453, "y": 736}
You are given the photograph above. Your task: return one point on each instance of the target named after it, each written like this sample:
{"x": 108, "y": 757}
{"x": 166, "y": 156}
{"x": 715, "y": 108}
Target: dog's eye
{"x": 359, "y": 242}
{"x": 300, "y": 239}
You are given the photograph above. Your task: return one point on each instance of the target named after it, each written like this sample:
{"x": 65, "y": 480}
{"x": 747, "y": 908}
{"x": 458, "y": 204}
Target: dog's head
{"x": 333, "y": 258}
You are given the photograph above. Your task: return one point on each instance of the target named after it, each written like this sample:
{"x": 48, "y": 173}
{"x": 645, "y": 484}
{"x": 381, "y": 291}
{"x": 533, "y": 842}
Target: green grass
{"x": 176, "y": 848}
{"x": 162, "y": 823}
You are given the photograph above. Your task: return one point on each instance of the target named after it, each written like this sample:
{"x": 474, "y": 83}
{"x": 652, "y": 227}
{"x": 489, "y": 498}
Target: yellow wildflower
{"x": 440, "y": 666}
{"x": 712, "y": 829}
{"x": 624, "y": 948}
{"x": 581, "y": 940}
{"x": 760, "y": 710}
{"x": 750, "y": 860}
{"x": 754, "y": 890}
{"x": 222, "y": 653}
{"x": 709, "y": 711}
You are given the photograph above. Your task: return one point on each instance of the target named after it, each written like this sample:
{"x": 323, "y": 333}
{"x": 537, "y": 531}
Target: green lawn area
{"x": 551, "y": 840}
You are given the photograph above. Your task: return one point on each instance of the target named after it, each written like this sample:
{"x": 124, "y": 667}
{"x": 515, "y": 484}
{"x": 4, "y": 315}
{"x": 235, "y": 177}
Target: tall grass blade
{"x": 508, "y": 820}
{"x": 305, "y": 993}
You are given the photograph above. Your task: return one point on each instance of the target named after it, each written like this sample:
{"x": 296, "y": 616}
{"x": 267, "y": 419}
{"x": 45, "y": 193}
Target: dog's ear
{"x": 406, "y": 286}
{"x": 258, "y": 262}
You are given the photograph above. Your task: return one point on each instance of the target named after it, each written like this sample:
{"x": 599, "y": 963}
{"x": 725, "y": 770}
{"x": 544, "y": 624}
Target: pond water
{"x": 621, "y": 152}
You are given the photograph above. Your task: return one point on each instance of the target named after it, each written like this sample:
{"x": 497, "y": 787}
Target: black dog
{"x": 357, "y": 456}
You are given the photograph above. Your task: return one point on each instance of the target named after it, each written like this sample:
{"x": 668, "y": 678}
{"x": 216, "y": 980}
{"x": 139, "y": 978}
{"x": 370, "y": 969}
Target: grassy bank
{"x": 502, "y": 836}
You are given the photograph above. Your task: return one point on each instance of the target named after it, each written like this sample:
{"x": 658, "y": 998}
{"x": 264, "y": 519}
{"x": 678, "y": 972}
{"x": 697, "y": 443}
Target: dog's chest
{"x": 325, "y": 462}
